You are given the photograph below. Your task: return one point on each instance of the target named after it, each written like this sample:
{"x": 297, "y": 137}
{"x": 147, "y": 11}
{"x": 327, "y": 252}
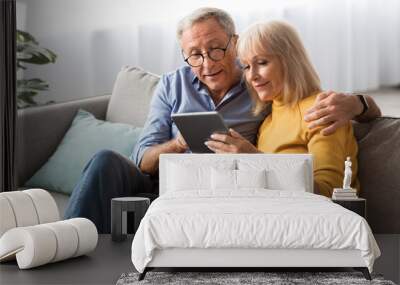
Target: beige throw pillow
{"x": 130, "y": 99}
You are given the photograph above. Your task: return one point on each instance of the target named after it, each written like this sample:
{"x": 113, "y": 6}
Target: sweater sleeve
{"x": 329, "y": 154}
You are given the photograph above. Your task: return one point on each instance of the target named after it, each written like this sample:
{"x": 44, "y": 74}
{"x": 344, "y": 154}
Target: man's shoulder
{"x": 177, "y": 83}
{"x": 182, "y": 73}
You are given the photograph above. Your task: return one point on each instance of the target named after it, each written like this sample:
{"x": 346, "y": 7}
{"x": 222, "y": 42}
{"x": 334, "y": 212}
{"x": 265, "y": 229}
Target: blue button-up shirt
{"x": 181, "y": 92}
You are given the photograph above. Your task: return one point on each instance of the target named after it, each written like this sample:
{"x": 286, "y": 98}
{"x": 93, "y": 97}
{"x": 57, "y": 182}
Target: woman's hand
{"x": 230, "y": 143}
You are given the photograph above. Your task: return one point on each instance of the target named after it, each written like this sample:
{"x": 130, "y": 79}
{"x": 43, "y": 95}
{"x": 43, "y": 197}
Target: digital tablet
{"x": 196, "y": 128}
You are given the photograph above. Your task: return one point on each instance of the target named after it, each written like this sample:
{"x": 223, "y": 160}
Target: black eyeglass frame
{"x": 208, "y": 54}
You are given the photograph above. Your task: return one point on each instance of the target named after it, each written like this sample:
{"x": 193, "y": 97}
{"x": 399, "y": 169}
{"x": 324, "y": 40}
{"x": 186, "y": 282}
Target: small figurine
{"x": 347, "y": 174}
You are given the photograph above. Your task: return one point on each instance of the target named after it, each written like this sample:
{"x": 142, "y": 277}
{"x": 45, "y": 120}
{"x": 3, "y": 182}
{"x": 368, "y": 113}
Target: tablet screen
{"x": 196, "y": 128}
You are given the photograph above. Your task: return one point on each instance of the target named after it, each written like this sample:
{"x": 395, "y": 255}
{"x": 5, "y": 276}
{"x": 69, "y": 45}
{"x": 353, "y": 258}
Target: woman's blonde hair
{"x": 280, "y": 39}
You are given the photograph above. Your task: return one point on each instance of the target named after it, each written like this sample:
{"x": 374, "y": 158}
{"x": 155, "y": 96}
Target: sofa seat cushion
{"x": 131, "y": 95}
{"x": 85, "y": 137}
{"x": 379, "y": 172}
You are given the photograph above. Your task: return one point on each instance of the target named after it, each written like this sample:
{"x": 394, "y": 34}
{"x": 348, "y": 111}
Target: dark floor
{"x": 110, "y": 260}
{"x": 389, "y": 262}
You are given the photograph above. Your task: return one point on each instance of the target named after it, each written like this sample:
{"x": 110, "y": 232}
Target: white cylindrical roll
{"x": 10, "y": 243}
{"x": 34, "y": 246}
{"x": 45, "y": 205}
{"x": 7, "y": 217}
{"x": 40, "y": 247}
{"x": 87, "y": 234}
{"x": 67, "y": 239}
{"x": 22, "y": 205}
{"x": 40, "y": 244}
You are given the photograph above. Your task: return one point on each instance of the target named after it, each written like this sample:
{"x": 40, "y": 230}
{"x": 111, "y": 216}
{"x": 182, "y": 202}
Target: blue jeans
{"x": 107, "y": 175}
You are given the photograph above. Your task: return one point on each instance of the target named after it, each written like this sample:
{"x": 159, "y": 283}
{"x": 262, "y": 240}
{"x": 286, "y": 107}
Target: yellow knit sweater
{"x": 285, "y": 131}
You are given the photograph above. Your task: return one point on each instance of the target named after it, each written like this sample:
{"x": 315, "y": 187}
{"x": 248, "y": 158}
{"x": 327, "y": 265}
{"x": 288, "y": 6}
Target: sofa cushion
{"x": 379, "y": 172}
{"x": 130, "y": 99}
{"x": 85, "y": 137}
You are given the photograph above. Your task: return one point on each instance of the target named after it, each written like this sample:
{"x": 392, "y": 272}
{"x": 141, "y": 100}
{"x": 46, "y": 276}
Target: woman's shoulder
{"x": 303, "y": 105}
{"x": 308, "y": 102}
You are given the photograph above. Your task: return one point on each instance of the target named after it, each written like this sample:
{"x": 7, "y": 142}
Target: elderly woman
{"x": 278, "y": 72}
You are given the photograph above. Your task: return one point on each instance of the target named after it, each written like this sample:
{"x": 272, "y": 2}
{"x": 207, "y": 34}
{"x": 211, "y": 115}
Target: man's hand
{"x": 149, "y": 163}
{"x": 180, "y": 143}
{"x": 332, "y": 110}
{"x": 230, "y": 143}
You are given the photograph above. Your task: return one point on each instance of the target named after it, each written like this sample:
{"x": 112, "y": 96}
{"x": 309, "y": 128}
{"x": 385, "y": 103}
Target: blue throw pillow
{"x": 85, "y": 137}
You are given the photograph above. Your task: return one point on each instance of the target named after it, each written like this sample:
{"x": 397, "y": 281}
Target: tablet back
{"x": 196, "y": 128}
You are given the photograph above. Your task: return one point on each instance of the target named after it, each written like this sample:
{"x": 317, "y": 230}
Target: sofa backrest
{"x": 131, "y": 96}
{"x": 180, "y": 172}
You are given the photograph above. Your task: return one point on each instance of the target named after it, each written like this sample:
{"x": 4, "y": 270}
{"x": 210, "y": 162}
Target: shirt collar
{"x": 195, "y": 81}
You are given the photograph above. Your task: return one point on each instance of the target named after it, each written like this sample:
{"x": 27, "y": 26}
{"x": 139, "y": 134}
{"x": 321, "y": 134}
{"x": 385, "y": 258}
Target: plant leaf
{"x": 25, "y": 37}
{"x": 29, "y": 51}
{"x": 36, "y": 55}
{"x": 25, "y": 99}
{"x": 34, "y": 84}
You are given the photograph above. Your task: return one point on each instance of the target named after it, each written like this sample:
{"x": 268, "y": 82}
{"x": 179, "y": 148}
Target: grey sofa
{"x": 40, "y": 130}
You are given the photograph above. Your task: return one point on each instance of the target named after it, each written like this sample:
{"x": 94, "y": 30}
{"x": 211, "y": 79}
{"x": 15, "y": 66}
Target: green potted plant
{"x": 29, "y": 51}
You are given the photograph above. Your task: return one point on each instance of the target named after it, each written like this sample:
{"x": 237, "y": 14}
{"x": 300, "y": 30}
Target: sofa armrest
{"x": 378, "y": 172}
{"x": 41, "y": 129}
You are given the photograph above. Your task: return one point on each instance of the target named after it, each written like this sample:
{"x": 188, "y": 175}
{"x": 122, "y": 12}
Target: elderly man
{"x": 211, "y": 80}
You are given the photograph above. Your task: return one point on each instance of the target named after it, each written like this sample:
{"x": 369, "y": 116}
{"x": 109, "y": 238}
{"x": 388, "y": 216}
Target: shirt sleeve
{"x": 329, "y": 154}
{"x": 157, "y": 128}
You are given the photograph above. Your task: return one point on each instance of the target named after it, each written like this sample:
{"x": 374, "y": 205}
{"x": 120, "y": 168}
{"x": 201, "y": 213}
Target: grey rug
{"x": 243, "y": 278}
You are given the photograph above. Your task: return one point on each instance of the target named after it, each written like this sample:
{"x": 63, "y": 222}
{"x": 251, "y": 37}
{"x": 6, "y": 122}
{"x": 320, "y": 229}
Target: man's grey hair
{"x": 202, "y": 14}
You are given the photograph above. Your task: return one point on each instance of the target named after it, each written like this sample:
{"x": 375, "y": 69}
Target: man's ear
{"x": 235, "y": 39}
{"x": 234, "y": 43}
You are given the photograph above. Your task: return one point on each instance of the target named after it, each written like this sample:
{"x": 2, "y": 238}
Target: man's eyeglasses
{"x": 215, "y": 54}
